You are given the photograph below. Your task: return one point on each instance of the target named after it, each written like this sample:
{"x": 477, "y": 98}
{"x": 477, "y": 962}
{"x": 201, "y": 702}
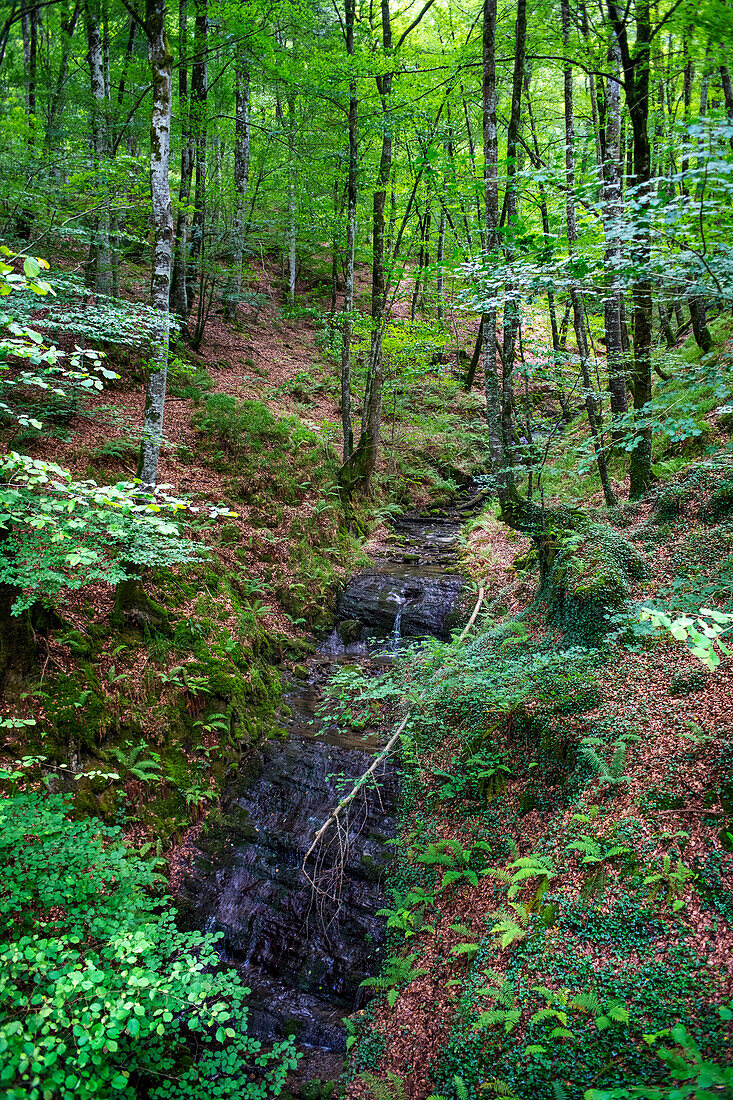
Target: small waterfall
{"x": 397, "y": 628}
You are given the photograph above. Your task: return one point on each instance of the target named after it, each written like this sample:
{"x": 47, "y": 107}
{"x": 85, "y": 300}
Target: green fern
{"x": 532, "y": 867}
{"x": 511, "y": 927}
{"x": 460, "y": 1087}
{"x": 135, "y": 763}
{"x": 507, "y": 1017}
{"x": 608, "y": 774}
{"x": 391, "y": 1089}
{"x": 397, "y": 971}
{"x": 669, "y": 884}
{"x": 470, "y": 950}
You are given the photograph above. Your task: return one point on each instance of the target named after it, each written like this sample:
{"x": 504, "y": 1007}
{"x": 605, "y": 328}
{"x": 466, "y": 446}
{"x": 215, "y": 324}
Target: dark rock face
{"x": 411, "y": 591}
{"x": 423, "y": 598}
{"x": 304, "y": 953}
{"x": 302, "y": 957}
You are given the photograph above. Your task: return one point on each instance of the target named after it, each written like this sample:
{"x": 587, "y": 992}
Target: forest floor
{"x": 252, "y": 419}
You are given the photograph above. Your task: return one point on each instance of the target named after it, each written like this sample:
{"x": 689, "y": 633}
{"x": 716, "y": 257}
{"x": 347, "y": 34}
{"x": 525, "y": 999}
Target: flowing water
{"x": 304, "y": 953}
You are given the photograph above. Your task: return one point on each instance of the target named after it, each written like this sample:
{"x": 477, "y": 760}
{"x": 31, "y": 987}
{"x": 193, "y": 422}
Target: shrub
{"x": 102, "y": 994}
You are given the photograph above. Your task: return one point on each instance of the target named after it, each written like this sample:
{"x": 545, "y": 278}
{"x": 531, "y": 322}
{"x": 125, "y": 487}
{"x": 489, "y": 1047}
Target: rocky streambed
{"x": 304, "y": 952}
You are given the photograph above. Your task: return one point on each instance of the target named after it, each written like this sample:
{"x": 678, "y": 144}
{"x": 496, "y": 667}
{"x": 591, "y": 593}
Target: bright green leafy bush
{"x": 102, "y": 996}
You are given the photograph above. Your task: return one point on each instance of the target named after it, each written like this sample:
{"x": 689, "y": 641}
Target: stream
{"x": 303, "y": 955}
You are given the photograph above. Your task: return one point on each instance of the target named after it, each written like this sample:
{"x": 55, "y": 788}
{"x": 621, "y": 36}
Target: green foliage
{"x": 134, "y": 762}
{"x": 607, "y": 773}
{"x": 703, "y": 633}
{"x": 66, "y": 534}
{"x": 397, "y": 970}
{"x": 103, "y": 319}
{"x": 481, "y": 776}
{"x": 590, "y": 568}
{"x": 188, "y": 380}
{"x": 669, "y": 883}
{"x": 692, "y": 1075}
{"x": 408, "y": 915}
{"x": 101, "y": 991}
{"x": 459, "y": 861}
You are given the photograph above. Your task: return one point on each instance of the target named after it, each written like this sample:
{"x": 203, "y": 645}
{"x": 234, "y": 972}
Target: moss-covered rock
{"x": 587, "y": 572}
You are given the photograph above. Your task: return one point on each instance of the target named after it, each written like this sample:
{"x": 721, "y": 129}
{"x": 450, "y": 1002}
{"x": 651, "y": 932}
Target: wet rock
{"x": 350, "y": 630}
{"x": 377, "y": 597}
{"x": 302, "y": 961}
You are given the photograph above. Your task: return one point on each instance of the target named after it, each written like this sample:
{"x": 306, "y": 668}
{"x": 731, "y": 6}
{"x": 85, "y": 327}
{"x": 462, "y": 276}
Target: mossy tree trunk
{"x": 161, "y": 64}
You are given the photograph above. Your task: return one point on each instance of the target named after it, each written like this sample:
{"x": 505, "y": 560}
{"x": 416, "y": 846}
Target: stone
{"x": 350, "y": 630}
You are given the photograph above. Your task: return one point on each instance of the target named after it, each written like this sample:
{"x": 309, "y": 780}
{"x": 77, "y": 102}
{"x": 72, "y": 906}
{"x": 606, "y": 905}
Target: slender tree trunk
{"x": 474, "y": 175}
{"x": 179, "y": 289}
{"x": 52, "y": 138}
{"x": 160, "y": 127}
{"x": 664, "y": 324}
{"x": 423, "y": 261}
{"x": 475, "y": 358}
{"x": 99, "y": 264}
{"x": 727, "y": 84}
{"x": 612, "y": 211}
{"x": 352, "y": 195}
{"x": 292, "y": 170}
{"x": 508, "y": 216}
{"x": 335, "y": 225}
{"x": 551, "y": 309}
{"x": 591, "y": 400}
{"x": 636, "y": 85}
{"x": 497, "y": 455}
{"x": 439, "y": 262}
{"x": 698, "y": 306}
{"x": 370, "y": 441}
{"x": 29, "y": 24}
{"x": 241, "y": 178}
{"x": 199, "y": 82}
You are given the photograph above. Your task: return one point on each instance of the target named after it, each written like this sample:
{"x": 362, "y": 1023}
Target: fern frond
{"x": 587, "y": 1002}
{"x": 618, "y": 760}
{"x": 591, "y": 757}
{"x": 461, "y": 1090}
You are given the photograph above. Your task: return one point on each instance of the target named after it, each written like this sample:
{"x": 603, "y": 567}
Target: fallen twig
{"x": 349, "y": 798}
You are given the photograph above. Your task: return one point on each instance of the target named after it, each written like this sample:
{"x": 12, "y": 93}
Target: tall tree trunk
{"x": 199, "y": 83}
{"x": 508, "y": 217}
{"x": 99, "y": 263}
{"x": 497, "y": 456}
{"x": 440, "y": 279}
{"x": 474, "y": 175}
{"x": 292, "y": 169}
{"x": 241, "y": 178}
{"x": 29, "y": 24}
{"x": 370, "y": 440}
{"x": 179, "y": 288}
{"x": 581, "y": 336}
{"x": 53, "y": 135}
{"x": 698, "y": 306}
{"x": 160, "y": 127}
{"x": 727, "y": 84}
{"x": 612, "y": 211}
{"x": 551, "y": 309}
{"x": 348, "y": 434}
{"x": 423, "y": 261}
{"x": 636, "y": 84}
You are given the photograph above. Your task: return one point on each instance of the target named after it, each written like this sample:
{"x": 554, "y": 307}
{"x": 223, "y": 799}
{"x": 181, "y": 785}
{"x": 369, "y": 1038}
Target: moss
{"x": 688, "y": 682}
{"x": 587, "y": 578}
{"x": 133, "y": 605}
{"x": 720, "y": 503}
{"x": 76, "y": 712}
